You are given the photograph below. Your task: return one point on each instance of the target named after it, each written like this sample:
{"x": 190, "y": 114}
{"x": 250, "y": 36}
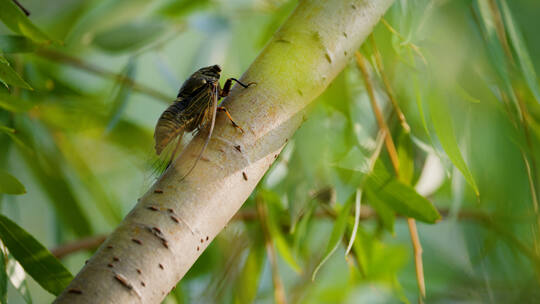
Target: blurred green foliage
{"x": 85, "y": 81}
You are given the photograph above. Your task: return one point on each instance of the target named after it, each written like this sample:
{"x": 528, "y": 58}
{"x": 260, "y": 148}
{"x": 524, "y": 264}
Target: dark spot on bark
{"x": 120, "y": 278}
{"x": 153, "y": 208}
{"x": 207, "y": 238}
{"x": 353, "y": 5}
{"x": 156, "y": 229}
{"x": 75, "y": 291}
{"x": 110, "y": 265}
{"x": 345, "y": 34}
{"x": 170, "y": 210}
{"x": 327, "y": 56}
{"x": 238, "y": 148}
{"x": 165, "y": 244}
{"x": 174, "y": 218}
{"x": 244, "y": 175}
{"x": 158, "y": 191}
{"x": 137, "y": 241}
{"x": 202, "y": 241}
{"x": 198, "y": 248}
{"x": 161, "y": 266}
{"x": 116, "y": 259}
{"x": 109, "y": 247}
{"x": 143, "y": 284}
{"x": 85, "y": 262}
{"x": 138, "y": 271}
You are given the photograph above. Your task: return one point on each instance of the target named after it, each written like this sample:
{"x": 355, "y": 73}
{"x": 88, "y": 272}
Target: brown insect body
{"x": 195, "y": 107}
{"x": 190, "y": 108}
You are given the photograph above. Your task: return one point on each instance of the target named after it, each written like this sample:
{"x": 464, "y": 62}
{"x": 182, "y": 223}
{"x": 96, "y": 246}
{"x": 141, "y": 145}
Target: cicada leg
{"x": 223, "y": 109}
{"x": 228, "y": 84}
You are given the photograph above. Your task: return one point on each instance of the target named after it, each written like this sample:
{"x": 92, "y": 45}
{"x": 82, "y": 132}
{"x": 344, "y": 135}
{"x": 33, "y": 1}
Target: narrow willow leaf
{"x": 17, "y": 21}
{"x": 357, "y": 205}
{"x": 418, "y": 96}
{"x": 46, "y": 169}
{"x": 14, "y": 104}
{"x": 406, "y": 157}
{"x": 128, "y": 36}
{"x": 386, "y": 214}
{"x": 178, "y": 8}
{"x": 16, "y": 44}
{"x": 12, "y": 135}
{"x": 3, "y": 278}
{"x": 525, "y": 62}
{"x": 17, "y": 278}
{"x": 442, "y": 122}
{"x": 9, "y": 76}
{"x": 248, "y": 282}
{"x": 337, "y": 234}
{"x": 36, "y": 260}
{"x": 402, "y": 198}
{"x": 121, "y": 96}
{"x": 282, "y": 246}
{"x": 10, "y": 185}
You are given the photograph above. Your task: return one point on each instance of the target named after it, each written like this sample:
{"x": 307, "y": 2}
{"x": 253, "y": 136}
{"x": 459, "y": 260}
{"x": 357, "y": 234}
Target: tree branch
{"x": 175, "y": 220}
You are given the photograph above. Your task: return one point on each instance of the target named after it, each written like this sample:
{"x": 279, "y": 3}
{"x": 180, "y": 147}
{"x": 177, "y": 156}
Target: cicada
{"x": 194, "y": 109}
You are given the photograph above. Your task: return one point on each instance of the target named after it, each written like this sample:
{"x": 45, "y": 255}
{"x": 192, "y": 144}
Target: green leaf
{"x": 36, "y": 260}
{"x": 9, "y": 76}
{"x": 442, "y": 122}
{"x": 3, "y": 278}
{"x": 10, "y": 185}
{"x": 386, "y": 214}
{"x": 406, "y": 158}
{"x": 129, "y": 36}
{"x": 46, "y": 169}
{"x": 17, "y": 278}
{"x": 17, "y": 21}
{"x": 280, "y": 242}
{"x": 337, "y": 234}
{"x": 11, "y": 133}
{"x": 14, "y": 104}
{"x": 401, "y": 198}
{"x": 121, "y": 96}
{"x": 525, "y": 62}
{"x": 248, "y": 281}
{"x": 16, "y": 44}
{"x": 177, "y": 8}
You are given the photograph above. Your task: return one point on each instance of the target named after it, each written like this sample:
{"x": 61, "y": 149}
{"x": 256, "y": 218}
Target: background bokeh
{"x": 464, "y": 73}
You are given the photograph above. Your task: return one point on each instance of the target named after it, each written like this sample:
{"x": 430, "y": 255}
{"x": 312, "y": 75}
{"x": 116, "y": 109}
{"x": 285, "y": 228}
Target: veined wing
{"x": 211, "y": 122}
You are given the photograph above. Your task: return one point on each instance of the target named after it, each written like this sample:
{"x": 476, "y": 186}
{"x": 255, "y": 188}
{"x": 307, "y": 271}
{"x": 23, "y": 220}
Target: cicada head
{"x": 211, "y": 72}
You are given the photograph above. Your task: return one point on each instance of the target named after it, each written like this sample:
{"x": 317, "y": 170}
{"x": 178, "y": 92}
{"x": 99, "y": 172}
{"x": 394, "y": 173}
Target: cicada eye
{"x": 217, "y": 68}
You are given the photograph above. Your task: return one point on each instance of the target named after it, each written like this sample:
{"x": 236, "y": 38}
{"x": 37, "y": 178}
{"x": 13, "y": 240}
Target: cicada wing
{"x": 209, "y": 123}
{"x": 162, "y": 161}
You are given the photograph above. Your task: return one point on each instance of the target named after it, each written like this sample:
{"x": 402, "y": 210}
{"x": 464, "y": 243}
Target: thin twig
{"x": 79, "y": 245}
{"x": 249, "y": 215}
{"x": 279, "y": 291}
{"x": 391, "y": 148}
{"x": 80, "y": 64}
{"x": 417, "y": 247}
